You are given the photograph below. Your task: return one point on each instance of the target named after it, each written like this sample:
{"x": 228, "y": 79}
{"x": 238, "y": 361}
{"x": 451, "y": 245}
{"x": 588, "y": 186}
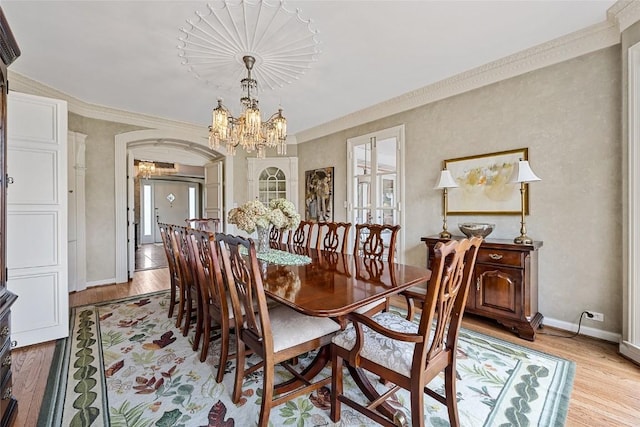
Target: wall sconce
{"x": 524, "y": 175}
{"x": 445, "y": 182}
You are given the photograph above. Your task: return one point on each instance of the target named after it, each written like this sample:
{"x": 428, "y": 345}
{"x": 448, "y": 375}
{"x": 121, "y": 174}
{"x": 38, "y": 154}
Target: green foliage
{"x": 111, "y": 338}
{"x": 296, "y": 412}
{"x": 128, "y": 416}
{"x": 169, "y": 419}
{"x": 145, "y": 358}
{"x": 484, "y": 375}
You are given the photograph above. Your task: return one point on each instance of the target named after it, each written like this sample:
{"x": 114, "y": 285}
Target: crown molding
{"x": 590, "y": 39}
{"x": 20, "y": 83}
{"x": 624, "y": 13}
{"x": 620, "y": 16}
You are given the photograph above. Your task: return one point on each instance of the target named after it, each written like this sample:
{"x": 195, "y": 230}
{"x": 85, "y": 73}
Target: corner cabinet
{"x": 9, "y": 51}
{"x": 504, "y": 286}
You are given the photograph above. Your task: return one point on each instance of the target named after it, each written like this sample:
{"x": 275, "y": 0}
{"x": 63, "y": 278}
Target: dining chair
{"x": 191, "y": 292}
{"x": 165, "y": 233}
{"x": 204, "y": 224}
{"x": 301, "y": 236}
{"x": 333, "y": 236}
{"x": 406, "y": 353}
{"x": 276, "y": 236}
{"x": 376, "y": 240}
{"x": 275, "y": 335}
{"x": 216, "y": 306}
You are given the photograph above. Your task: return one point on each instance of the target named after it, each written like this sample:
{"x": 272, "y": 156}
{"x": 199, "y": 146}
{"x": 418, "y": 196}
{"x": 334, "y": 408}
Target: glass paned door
{"x": 374, "y": 190}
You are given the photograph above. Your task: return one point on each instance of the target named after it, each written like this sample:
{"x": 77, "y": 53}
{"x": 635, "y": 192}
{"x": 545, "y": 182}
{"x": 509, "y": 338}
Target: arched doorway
{"x": 167, "y": 142}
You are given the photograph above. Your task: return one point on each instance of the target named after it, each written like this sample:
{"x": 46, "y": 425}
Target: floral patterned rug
{"x": 126, "y": 364}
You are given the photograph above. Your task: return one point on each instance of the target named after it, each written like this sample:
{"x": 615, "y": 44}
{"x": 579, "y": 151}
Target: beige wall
{"x": 100, "y": 193}
{"x": 569, "y": 117}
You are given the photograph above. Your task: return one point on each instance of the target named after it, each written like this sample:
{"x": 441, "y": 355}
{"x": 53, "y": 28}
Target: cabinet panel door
{"x": 498, "y": 291}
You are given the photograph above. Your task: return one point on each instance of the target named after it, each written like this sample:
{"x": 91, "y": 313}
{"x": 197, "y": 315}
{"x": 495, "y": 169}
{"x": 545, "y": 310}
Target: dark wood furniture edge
{"x": 491, "y": 243}
{"x": 9, "y": 52}
{"x": 525, "y": 328}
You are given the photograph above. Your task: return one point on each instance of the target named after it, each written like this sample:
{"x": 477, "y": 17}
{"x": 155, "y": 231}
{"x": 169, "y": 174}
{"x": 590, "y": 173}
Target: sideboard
{"x": 504, "y": 286}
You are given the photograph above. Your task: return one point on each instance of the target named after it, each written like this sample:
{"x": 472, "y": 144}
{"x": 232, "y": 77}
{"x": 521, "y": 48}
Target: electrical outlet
{"x": 594, "y": 315}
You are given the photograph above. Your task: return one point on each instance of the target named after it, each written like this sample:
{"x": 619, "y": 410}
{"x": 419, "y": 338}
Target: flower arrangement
{"x": 254, "y": 214}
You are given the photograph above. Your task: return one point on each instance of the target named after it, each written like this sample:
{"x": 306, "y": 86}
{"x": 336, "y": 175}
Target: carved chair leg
{"x": 336, "y": 386}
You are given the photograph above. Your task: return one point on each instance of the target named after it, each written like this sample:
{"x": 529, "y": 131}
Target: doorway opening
{"x": 169, "y": 200}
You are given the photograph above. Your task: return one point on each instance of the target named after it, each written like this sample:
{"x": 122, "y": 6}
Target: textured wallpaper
{"x": 569, "y": 116}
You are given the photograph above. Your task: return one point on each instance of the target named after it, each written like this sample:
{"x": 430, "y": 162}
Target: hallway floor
{"x": 150, "y": 256}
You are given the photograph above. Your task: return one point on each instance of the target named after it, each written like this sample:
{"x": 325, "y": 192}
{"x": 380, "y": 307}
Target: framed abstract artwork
{"x": 318, "y": 199}
{"x": 484, "y": 184}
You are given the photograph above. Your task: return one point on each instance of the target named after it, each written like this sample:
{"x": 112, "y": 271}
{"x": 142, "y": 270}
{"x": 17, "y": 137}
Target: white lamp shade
{"x": 524, "y": 173}
{"x": 446, "y": 180}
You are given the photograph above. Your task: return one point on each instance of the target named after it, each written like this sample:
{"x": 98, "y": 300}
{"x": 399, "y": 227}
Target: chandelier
{"x": 248, "y": 130}
{"x": 146, "y": 169}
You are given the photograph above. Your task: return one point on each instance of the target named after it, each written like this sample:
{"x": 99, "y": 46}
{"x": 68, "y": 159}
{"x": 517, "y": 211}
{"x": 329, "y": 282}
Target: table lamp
{"x": 523, "y": 175}
{"x": 445, "y": 182}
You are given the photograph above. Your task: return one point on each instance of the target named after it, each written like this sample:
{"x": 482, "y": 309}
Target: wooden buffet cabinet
{"x": 9, "y": 51}
{"x": 504, "y": 286}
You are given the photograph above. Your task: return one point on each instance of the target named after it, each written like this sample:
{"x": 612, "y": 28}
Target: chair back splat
{"x": 333, "y": 236}
{"x": 277, "y": 335}
{"x": 302, "y": 235}
{"x": 413, "y": 353}
{"x": 376, "y": 241}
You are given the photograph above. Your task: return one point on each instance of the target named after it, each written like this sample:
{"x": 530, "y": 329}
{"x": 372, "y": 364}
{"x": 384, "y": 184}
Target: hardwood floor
{"x": 605, "y": 391}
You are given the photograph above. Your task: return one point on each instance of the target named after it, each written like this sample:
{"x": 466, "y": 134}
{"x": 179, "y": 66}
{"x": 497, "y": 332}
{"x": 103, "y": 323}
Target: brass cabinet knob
{"x": 495, "y": 256}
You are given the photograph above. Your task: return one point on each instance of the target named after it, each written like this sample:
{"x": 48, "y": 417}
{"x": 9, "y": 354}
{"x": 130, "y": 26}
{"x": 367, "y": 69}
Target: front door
{"x": 169, "y": 202}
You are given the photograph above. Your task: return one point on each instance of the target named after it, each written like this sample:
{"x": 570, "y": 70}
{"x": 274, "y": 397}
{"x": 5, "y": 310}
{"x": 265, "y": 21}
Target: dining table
{"x": 330, "y": 284}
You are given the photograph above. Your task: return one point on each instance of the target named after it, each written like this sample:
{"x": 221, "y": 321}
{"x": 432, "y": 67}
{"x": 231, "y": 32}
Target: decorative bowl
{"x": 473, "y": 229}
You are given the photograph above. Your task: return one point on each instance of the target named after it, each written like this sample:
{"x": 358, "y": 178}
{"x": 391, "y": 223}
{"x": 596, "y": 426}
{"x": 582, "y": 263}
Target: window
{"x": 272, "y": 184}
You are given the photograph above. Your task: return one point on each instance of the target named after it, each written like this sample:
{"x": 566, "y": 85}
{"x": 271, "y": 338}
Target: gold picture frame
{"x": 484, "y": 184}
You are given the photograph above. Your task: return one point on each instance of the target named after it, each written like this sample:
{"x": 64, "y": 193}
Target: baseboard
{"x": 584, "y": 330}
{"x": 630, "y": 351}
{"x": 103, "y": 282}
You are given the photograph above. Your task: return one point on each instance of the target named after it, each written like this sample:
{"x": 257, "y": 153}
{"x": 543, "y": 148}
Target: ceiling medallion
{"x": 214, "y": 44}
{"x": 275, "y": 45}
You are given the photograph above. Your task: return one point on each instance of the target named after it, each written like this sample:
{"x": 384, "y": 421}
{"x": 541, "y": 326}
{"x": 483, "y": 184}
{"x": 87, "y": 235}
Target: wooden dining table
{"x": 334, "y": 285}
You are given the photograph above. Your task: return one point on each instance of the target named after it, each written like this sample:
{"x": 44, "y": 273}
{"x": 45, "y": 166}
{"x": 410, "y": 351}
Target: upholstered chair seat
{"x": 380, "y": 349}
{"x": 290, "y": 328}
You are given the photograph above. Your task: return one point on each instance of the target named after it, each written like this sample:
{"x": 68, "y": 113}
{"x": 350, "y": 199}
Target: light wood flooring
{"x": 606, "y": 388}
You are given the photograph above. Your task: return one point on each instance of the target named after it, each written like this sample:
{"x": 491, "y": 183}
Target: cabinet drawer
{"x": 501, "y": 257}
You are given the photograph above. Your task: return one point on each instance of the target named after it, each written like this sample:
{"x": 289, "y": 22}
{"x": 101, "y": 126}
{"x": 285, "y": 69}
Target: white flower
{"x": 281, "y": 213}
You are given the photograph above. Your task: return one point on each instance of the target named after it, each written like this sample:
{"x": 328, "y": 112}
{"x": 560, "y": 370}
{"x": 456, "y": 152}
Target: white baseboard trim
{"x": 584, "y": 330}
{"x": 103, "y": 282}
{"x": 630, "y": 351}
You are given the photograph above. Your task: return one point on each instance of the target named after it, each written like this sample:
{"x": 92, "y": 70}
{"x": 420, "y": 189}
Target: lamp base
{"x": 444, "y": 234}
{"x": 523, "y": 239}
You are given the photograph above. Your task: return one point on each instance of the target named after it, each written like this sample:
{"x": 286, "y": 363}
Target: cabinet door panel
{"x": 498, "y": 291}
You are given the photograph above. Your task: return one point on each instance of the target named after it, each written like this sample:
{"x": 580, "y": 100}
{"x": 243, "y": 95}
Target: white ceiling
{"x": 124, "y": 54}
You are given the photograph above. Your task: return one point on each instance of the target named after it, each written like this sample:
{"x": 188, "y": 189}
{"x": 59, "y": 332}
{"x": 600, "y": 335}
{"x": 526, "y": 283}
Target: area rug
{"x": 126, "y": 364}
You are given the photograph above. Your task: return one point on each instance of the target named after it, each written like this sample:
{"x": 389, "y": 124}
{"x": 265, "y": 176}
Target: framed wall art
{"x": 484, "y": 184}
{"x": 319, "y": 195}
